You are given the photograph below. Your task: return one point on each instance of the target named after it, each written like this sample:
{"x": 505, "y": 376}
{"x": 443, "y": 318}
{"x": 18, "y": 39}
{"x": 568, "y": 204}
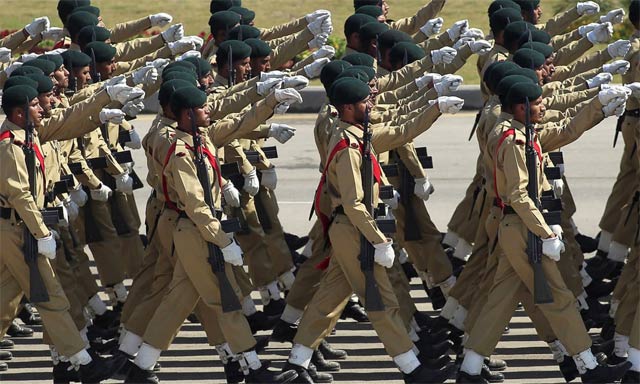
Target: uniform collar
{"x": 517, "y": 125}
{"x": 17, "y": 132}
{"x": 220, "y": 81}
{"x": 352, "y": 129}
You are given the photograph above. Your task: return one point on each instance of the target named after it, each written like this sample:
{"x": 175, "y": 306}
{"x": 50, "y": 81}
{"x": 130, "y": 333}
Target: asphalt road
{"x": 591, "y": 169}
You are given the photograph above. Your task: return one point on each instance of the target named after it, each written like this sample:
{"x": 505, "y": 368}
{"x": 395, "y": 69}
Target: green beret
{"x": 502, "y": 4}
{"x": 496, "y": 71}
{"x": 520, "y": 92}
{"x": 53, "y": 57}
{"x": 258, "y": 48}
{"x": 44, "y": 82}
{"x": 181, "y": 75}
{"x": 75, "y": 59}
{"x": 18, "y": 96}
{"x": 503, "y": 17}
{"x": 503, "y": 86}
{"x": 528, "y": 58}
{"x": 389, "y": 38}
{"x": 371, "y": 10}
{"x": 26, "y": 70}
{"x": 19, "y": 80}
{"x": 66, "y": 7}
{"x": 102, "y": 52}
{"x": 538, "y": 35}
{"x": 247, "y": 31}
{"x": 370, "y": 31}
{"x": 361, "y": 3}
{"x": 168, "y": 87}
{"x": 634, "y": 11}
{"x": 359, "y": 58}
{"x": 224, "y": 20}
{"x": 88, "y": 8}
{"x": 528, "y": 5}
{"x": 203, "y": 67}
{"x": 187, "y": 98}
{"x": 46, "y": 66}
{"x": 92, "y": 33}
{"x": 331, "y": 71}
{"x": 180, "y": 65}
{"x": 247, "y": 15}
{"x": 355, "y": 22}
{"x": 545, "y": 49}
{"x": 515, "y": 32}
{"x": 79, "y": 20}
{"x": 526, "y": 72}
{"x": 356, "y": 73}
{"x": 220, "y": 5}
{"x": 405, "y": 53}
{"x": 239, "y": 49}
{"x": 348, "y": 90}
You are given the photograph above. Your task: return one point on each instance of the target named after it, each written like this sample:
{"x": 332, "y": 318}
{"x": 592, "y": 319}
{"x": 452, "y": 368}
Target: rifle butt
{"x": 541, "y": 290}
{"x": 228, "y": 299}
{"x": 372, "y": 298}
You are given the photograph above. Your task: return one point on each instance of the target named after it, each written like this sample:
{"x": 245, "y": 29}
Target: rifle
{"x": 228, "y": 297}
{"x": 95, "y": 74}
{"x": 407, "y": 185}
{"x": 541, "y": 291}
{"x": 618, "y": 130}
{"x": 475, "y": 125}
{"x": 232, "y": 71}
{"x": 373, "y": 299}
{"x": 254, "y": 157}
{"x": 38, "y": 291}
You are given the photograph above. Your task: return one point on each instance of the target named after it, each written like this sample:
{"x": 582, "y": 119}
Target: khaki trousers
{"x": 132, "y": 248}
{"x": 277, "y": 247}
{"x": 462, "y": 222}
{"x": 629, "y": 272}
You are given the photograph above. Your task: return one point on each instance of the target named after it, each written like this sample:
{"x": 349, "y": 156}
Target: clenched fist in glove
{"x": 320, "y": 25}
{"x": 599, "y": 79}
{"x": 444, "y": 55}
{"x": 79, "y": 196}
{"x": 133, "y": 107}
{"x": 269, "y": 178}
{"x": 265, "y": 87}
{"x": 296, "y": 82}
{"x": 481, "y": 47}
{"x": 315, "y": 15}
{"x": 281, "y": 132}
{"x": 12, "y": 67}
{"x": 600, "y": 34}
{"x": 5, "y": 55}
{"x": 614, "y": 17}
{"x": 384, "y": 254}
{"x": 160, "y": 19}
{"x": 264, "y": 76}
{"x": 145, "y": 75}
{"x": 231, "y": 194}
{"x": 47, "y": 246}
{"x": 72, "y": 209}
{"x": 114, "y": 116}
{"x": 619, "y": 49}
{"x": 318, "y": 41}
{"x": 28, "y": 57}
{"x": 426, "y": 79}
{"x": 53, "y": 34}
{"x": 457, "y": 29}
{"x": 432, "y": 27}
{"x": 326, "y": 51}
{"x": 557, "y": 229}
{"x": 173, "y": 33}
{"x": 288, "y": 95}
{"x": 314, "y": 69}
{"x": 394, "y": 201}
{"x": 423, "y": 188}
{"x": 588, "y": 8}
{"x": 124, "y": 183}
{"x": 123, "y": 93}
{"x": 158, "y": 64}
{"x": 189, "y": 54}
{"x": 474, "y": 33}
{"x": 447, "y": 84}
{"x": 618, "y": 67}
{"x": 37, "y": 26}
{"x": 634, "y": 88}
{"x": 448, "y": 104}
{"x": 251, "y": 183}
{"x": 232, "y": 254}
{"x": 552, "y": 248}
{"x": 134, "y": 140}
{"x": 584, "y": 29}
{"x": 613, "y": 98}
{"x": 102, "y": 193}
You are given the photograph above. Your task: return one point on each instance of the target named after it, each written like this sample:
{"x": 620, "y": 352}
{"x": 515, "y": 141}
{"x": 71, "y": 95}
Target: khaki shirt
{"x": 411, "y": 25}
{"x": 560, "y": 22}
{"x": 586, "y": 63}
{"x": 156, "y": 144}
{"x": 497, "y": 53}
{"x": 129, "y": 29}
{"x": 286, "y": 29}
{"x": 633, "y": 57}
{"x": 14, "y": 40}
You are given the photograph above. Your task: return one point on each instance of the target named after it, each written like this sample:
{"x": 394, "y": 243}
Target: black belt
{"x": 5, "y": 213}
{"x": 508, "y": 210}
{"x": 632, "y": 113}
{"x": 183, "y": 215}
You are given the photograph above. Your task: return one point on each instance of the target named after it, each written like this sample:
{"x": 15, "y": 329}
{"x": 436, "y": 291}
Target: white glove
{"x": 135, "y": 142}
{"x": 615, "y": 107}
{"x": 599, "y": 79}
{"x": 588, "y": 8}
{"x": 558, "y": 187}
{"x": 231, "y": 194}
{"x": 443, "y": 55}
{"x": 606, "y": 95}
{"x": 53, "y": 34}
{"x": 474, "y": 33}
{"x": 28, "y": 57}
{"x": 47, "y": 246}
{"x": 173, "y": 33}
{"x": 72, "y": 209}
{"x": 288, "y": 95}
{"x": 123, "y": 93}
{"x": 265, "y": 87}
{"x": 448, "y": 104}
{"x": 5, "y": 55}
{"x": 614, "y": 17}
{"x": 448, "y": 84}
{"x": 12, "y": 67}
{"x": 251, "y": 183}
{"x": 423, "y": 188}
{"x": 600, "y": 34}
{"x": 314, "y": 69}
{"x": 181, "y": 46}
{"x": 160, "y": 19}
{"x": 557, "y": 229}
{"x": 64, "y": 222}
{"x": 618, "y": 67}
{"x": 79, "y": 196}
{"x": 320, "y": 25}
{"x": 457, "y": 29}
{"x": 196, "y": 40}
{"x": 281, "y": 132}
{"x": 159, "y": 64}
{"x": 326, "y": 51}
{"x": 320, "y": 13}
{"x": 318, "y": 41}
{"x": 281, "y": 108}
{"x": 269, "y": 178}
{"x": 584, "y": 29}
{"x": 57, "y": 51}
{"x": 145, "y": 75}
{"x": 133, "y": 107}
{"x": 619, "y": 49}
{"x": 481, "y": 47}
{"x": 424, "y": 80}
{"x": 552, "y": 248}
{"x": 634, "y": 88}
{"x": 232, "y": 254}
{"x": 264, "y": 76}
{"x": 384, "y": 254}
{"x": 37, "y": 26}
{"x": 461, "y": 42}
{"x": 114, "y": 116}
{"x": 102, "y": 193}
{"x": 394, "y": 201}
{"x": 124, "y": 183}
{"x": 432, "y": 27}
{"x": 118, "y": 80}
{"x": 189, "y": 54}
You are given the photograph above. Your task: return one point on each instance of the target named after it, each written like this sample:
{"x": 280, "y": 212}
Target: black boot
{"x": 495, "y": 364}
{"x": 605, "y": 347}
{"x": 319, "y": 377}
{"x": 29, "y": 315}
{"x": 323, "y": 365}
{"x": 64, "y": 373}
{"x": 104, "y": 348}
{"x": 605, "y": 373}
{"x": 423, "y": 374}
{"x": 608, "y": 329}
{"x": 3, "y": 367}
{"x": 615, "y": 359}
{"x": 409, "y": 271}
{"x": 6, "y": 355}
{"x": 597, "y": 260}
{"x": 97, "y": 333}
{"x": 264, "y": 375}
{"x": 16, "y": 330}
{"x": 587, "y": 244}
{"x": 354, "y": 311}
{"x": 601, "y": 288}
{"x": 295, "y": 242}
{"x": 568, "y": 369}
{"x": 605, "y": 269}
{"x": 435, "y": 350}
{"x": 284, "y": 332}
{"x": 437, "y": 297}
{"x": 331, "y": 353}
{"x": 302, "y": 372}
{"x": 464, "y": 377}
{"x": 142, "y": 376}
{"x": 107, "y": 320}
{"x": 100, "y": 368}
{"x": 631, "y": 377}
{"x": 492, "y": 377}
{"x": 259, "y": 321}
{"x": 232, "y": 372}
{"x": 118, "y": 307}
{"x": 436, "y": 363}
{"x": 6, "y": 343}
{"x": 435, "y": 337}
{"x": 274, "y": 308}
{"x": 425, "y": 321}
{"x": 193, "y": 318}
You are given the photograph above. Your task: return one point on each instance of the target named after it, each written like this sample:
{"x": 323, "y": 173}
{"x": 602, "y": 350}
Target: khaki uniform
{"x": 411, "y": 25}
{"x": 124, "y": 31}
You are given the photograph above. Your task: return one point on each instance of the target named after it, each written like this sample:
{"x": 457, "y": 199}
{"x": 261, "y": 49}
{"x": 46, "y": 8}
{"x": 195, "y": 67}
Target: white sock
{"x": 123, "y": 331}
{"x": 131, "y": 343}
{"x": 121, "y": 292}
{"x": 451, "y": 238}
{"x": 614, "y": 307}
{"x": 265, "y": 296}
{"x": 414, "y": 325}
{"x": 449, "y": 308}
{"x": 617, "y": 252}
{"x": 465, "y": 337}
{"x": 634, "y": 358}
{"x": 300, "y": 355}
{"x": 252, "y": 359}
{"x": 80, "y": 358}
{"x": 621, "y": 345}
{"x": 274, "y": 291}
{"x": 291, "y": 315}
{"x": 83, "y": 336}
{"x": 97, "y": 305}
{"x": 604, "y": 241}
{"x": 224, "y": 351}
{"x": 413, "y": 335}
{"x": 585, "y": 360}
{"x": 407, "y": 362}
{"x": 55, "y": 356}
{"x": 446, "y": 285}
{"x": 147, "y": 357}
{"x": 88, "y": 313}
{"x": 558, "y": 350}
{"x": 403, "y": 257}
{"x": 248, "y": 307}
{"x": 306, "y": 251}
{"x": 415, "y": 350}
{"x": 586, "y": 279}
{"x": 472, "y": 362}
{"x": 459, "y": 318}
{"x": 582, "y": 301}
{"x": 463, "y": 250}
{"x": 287, "y": 279}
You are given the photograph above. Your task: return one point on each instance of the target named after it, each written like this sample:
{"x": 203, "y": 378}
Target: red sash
{"x": 36, "y": 150}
